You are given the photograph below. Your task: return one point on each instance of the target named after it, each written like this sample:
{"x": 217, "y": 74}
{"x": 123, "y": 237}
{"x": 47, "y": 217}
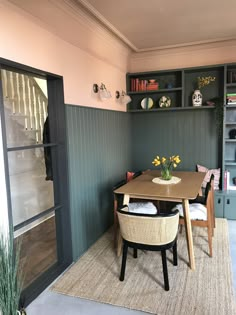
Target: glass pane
{"x": 30, "y": 183}
{"x": 25, "y": 106}
{"x": 38, "y": 248}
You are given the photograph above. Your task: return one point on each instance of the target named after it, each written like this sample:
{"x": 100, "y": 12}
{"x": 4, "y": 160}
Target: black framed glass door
{"x": 33, "y": 117}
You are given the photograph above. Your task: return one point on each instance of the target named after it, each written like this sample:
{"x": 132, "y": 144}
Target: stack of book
{"x": 152, "y": 85}
{"x": 138, "y": 85}
{"x": 143, "y": 85}
{"x": 231, "y": 98}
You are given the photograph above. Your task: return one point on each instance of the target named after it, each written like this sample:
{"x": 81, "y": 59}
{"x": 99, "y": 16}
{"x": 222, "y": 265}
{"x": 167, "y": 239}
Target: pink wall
{"x": 27, "y": 42}
{"x": 184, "y": 57}
{"x": 100, "y": 58}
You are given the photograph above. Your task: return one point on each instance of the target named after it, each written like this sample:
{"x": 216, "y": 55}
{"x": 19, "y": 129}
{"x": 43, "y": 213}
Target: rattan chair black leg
{"x": 125, "y": 250}
{"x": 165, "y": 270}
{"x": 135, "y": 254}
{"x": 175, "y": 257}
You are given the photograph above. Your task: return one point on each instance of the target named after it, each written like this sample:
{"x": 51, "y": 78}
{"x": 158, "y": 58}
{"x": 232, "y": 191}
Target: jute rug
{"x": 206, "y": 291}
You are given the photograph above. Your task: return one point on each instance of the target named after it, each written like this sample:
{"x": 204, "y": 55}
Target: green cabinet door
{"x": 230, "y": 207}
{"x": 219, "y": 206}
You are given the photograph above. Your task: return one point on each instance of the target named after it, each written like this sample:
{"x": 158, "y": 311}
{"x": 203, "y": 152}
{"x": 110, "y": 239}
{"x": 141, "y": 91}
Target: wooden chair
{"x": 149, "y": 232}
{"x": 201, "y": 198}
{"x": 201, "y": 214}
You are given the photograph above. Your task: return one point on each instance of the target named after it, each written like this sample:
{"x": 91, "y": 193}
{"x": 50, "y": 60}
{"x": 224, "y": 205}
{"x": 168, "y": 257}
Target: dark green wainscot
{"x": 225, "y": 202}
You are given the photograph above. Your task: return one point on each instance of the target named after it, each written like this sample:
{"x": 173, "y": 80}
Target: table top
{"x": 143, "y": 187}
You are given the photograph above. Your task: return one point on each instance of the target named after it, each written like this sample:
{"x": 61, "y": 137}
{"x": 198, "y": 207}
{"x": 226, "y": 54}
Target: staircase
{"x": 25, "y": 108}
{"x": 26, "y": 104}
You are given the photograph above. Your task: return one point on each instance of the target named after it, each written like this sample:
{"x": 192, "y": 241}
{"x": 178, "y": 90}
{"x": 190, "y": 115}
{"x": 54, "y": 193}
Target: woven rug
{"x": 206, "y": 291}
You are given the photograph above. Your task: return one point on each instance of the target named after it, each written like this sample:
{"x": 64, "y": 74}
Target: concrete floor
{"x": 50, "y": 303}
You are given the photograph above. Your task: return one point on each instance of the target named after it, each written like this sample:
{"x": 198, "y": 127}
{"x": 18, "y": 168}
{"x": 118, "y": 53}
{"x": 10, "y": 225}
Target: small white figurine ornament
{"x": 197, "y": 98}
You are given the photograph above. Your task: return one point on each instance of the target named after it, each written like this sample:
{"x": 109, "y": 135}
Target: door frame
{"x": 56, "y": 107}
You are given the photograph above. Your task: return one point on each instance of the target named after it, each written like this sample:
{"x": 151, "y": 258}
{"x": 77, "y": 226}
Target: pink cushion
{"x": 129, "y": 176}
{"x": 208, "y": 172}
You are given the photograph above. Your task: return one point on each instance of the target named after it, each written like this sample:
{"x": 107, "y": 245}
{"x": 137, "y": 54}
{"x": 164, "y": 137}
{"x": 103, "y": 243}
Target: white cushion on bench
{"x": 197, "y": 211}
{"x": 142, "y": 207}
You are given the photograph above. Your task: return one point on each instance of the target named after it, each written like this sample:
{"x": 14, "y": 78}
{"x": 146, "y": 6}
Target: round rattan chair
{"x": 149, "y": 232}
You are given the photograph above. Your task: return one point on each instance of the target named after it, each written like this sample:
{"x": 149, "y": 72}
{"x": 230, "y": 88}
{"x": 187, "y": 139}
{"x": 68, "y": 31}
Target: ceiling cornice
{"x": 99, "y": 17}
{"x": 186, "y": 45}
{"x": 82, "y": 16}
{"x": 184, "y": 49}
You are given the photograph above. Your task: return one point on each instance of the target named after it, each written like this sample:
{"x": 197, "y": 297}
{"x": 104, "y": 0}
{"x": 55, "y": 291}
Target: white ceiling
{"x": 153, "y": 24}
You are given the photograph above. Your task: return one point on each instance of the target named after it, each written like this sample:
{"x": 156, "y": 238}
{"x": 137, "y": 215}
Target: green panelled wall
{"x": 103, "y": 145}
{"x": 190, "y": 133}
{"x": 99, "y": 154}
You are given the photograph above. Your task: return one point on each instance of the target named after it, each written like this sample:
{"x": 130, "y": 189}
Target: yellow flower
{"x": 156, "y": 162}
{"x": 203, "y": 81}
{"x": 177, "y": 159}
{"x": 167, "y": 163}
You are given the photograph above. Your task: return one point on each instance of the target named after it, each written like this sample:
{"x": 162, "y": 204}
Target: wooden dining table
{"x": 187, "y": 189}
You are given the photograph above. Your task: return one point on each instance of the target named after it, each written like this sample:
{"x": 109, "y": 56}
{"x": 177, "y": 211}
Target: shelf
{"x": 155, "y": 91}
{"x": 229, "y": 144}
{"x": 230, "y": 123}
{"x": 230, "y": 140}
{"x": 170, "y": 109}
{"x": 231, "y": 85}
{"x": 228, "y": 162}
{"x": 183, "y": 82}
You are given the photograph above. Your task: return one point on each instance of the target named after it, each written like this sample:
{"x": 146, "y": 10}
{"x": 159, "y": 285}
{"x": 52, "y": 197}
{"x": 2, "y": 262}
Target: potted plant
{"x": 10, "y": 276}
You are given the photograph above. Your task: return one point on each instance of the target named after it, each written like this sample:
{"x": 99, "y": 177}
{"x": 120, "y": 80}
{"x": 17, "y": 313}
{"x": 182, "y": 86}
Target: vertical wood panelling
{"x": 191, "y": 134}
{"x": 99, "y": 155}
{"x": 103, "y": 145}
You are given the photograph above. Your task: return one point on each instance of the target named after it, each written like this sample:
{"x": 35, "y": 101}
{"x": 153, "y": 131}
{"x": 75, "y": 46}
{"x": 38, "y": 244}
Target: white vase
{"x": 197, "y": 98}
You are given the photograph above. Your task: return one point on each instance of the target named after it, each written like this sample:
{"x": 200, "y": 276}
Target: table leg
{"x": 126, "y": 200}
{"x": 119, "y": 238}
{"x": 189, "y": 236}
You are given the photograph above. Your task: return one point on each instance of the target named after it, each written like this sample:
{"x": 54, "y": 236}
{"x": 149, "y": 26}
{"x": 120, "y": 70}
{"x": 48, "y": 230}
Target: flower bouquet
{"x": 167, "y": 164}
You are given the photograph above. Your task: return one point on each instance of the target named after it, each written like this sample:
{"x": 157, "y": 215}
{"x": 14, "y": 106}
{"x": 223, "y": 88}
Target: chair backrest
{"x": 118, "y": 198}
{"x": 213, "y": 188}
{"x": 210, "y": 197}
{"x": 209, "y": 186}
{"x": 148, "y": 229}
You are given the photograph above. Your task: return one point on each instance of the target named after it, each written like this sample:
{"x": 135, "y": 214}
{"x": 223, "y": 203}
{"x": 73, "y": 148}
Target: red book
{"x": 137, "y": 84}
{"x": 132, "y": 85}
